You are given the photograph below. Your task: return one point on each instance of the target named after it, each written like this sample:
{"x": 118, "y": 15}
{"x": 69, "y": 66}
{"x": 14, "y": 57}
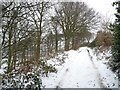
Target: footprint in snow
{"x": 67, "y": 70}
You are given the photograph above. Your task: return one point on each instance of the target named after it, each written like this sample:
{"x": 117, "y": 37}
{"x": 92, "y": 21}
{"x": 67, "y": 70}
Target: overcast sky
{"x": 104, "y": 7}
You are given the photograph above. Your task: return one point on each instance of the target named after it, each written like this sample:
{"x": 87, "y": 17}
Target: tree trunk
{"x": 39, "y": 33}
{"x": 14, "y": 58}
{"x": 56, "y": 41}
{"x": 15, "y": 52}
{"x": 23, "y": 56}
{"x": 73, "y": 42}
{"x": 9, "y": 51}
{"x": 0, "y": 53}
{"x": 38, "y": 48}
{"x": 66, "y": 47}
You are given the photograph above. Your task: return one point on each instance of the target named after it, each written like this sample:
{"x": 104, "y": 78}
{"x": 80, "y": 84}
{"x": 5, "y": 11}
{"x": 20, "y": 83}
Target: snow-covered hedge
{"x": 28, "y": 80}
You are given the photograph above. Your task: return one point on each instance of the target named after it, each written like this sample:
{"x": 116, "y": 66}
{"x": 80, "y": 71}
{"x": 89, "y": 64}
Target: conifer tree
{"x": 115, "y": 63}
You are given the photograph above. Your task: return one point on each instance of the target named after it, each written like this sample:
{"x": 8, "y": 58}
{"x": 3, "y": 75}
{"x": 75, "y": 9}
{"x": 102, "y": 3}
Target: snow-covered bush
{"x": 104, "y": 55}
{"x": 48, "y": 67}
{"x": 28, "y": 80}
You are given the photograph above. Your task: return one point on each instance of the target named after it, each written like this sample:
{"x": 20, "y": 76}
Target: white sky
{"x": 104, "y": 7}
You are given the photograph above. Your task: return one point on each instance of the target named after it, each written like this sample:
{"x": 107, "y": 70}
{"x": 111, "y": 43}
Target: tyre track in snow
{"x": 98, "y": 75}
{"x": 100, "y": 81}
{"x": 64, "y": 74}
{"x": 60, "y": 82}
{"x": 62, "y": 79}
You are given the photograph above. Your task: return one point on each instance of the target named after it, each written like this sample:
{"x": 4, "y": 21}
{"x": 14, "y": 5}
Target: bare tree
{"x": 37, "y": 16}
{"x": 74, "y": 17}
{"x": 22, "y": 30}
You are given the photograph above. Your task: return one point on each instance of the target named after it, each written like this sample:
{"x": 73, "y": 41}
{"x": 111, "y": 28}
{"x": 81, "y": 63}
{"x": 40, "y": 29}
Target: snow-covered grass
{"x": 80, "y": 69}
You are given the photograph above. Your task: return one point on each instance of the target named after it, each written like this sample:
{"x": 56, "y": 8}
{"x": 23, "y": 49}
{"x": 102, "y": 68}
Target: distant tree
{"x": 37, "y": 16}
{"x": 9, "y": 16}
{"x": 115, "y": 63}
{"x": 104, "y": 38}
{"x": 0, "y": 34}
{"x": 55, "y": 27}
{"x": 22, "y": 28}
{"x": 73, "y": 17}
{"x": 106, "y": 24}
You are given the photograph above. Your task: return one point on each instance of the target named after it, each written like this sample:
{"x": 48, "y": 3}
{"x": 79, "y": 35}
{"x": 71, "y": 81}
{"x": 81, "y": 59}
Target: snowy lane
{"x": 99, "y": 79}
{"x": 80, "y": 75}
{"x": 80, "y": 70}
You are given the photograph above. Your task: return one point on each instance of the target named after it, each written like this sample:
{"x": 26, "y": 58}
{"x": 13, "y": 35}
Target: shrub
{"x": 20, "y": 80}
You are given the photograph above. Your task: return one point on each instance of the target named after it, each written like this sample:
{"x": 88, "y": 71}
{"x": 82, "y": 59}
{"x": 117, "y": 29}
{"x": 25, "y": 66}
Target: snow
{"x": 81, "y": 69}
{"x": 1, "y": 71}
{"x": 3, "y": 66}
